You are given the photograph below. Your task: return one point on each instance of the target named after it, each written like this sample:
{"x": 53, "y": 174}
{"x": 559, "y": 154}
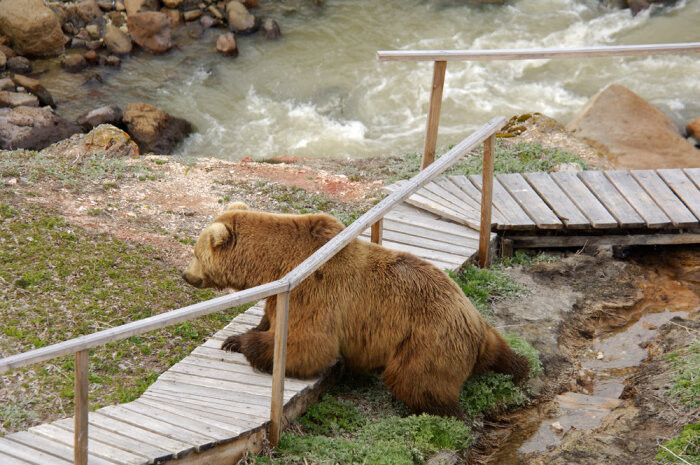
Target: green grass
{"x": 686, "y": 386}
{"x": 684, "y": 448}
{"x": 59, "y": 282}
{"x": 524, "y": 258}
{"x": 484, "y": 286}
{"x": 522, "y": 157}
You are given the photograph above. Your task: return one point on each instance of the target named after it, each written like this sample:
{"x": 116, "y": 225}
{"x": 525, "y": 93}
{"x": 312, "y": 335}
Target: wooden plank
{"x": 664, "y": 197}
{"x": 9, "y": 460}
{"x": 486, "y": 204}
{"x": 530, "y": 201}
{"x": 408, "y": 214}
{"x": 448, "y": 200}
{"x": 583, "y": 198}
{"x": 29, "y": 455}
{"x": 421, "y": 232}
{"x": 246, "y": 319}
{"x": 118, "y": 412}
{"x": 99, "y": 421}
{"x": 209, "y": 406}
{"x": 513, "y": 213}
{"x": 630, "y": 189}
{"x": 377, "y": 231}
{"x": 610, "y": 197}
{"x": 694, "y": 175}
{"x": 96, "y": 448}
{"x": 250, "y": 376}
{"x": 148, "y": 450}
{"x": 174, "y": 390}
{"x": 432, "y": 203}
{"x": 82, "y": 359}
{"x": 457, "y": 195}
{"x": 557, "y": 200}
{"x": 218, "y": 354}
{"x": 465, "y": 186}
{"x": 431, "y": 126}
{"x": 57, "y": 449}
{"x": 429, "y": 244}
{"x": 578, "y": 241}
{"x": 245, "y": 393}
{"x": 220, "y": 417}
{"x": 684, "y": 188}
{"x": 538, "y": 53}
{"x": 229, "y": 427}
{"x": 427, "y": 255}
{"x": 258, "y": 384}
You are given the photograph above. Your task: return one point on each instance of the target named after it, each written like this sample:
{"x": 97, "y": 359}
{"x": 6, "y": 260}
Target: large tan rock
{"x": 151, "y": 30}
{"x": 35, "y": 87}
{"x": 32, "y": 27}
{"x": 226, "y": 45}
{"x": 32, "y": 128}
{"x": 153, "y": 129}
{"x": 239, "y": 20}
{"x": 117, "y": 41}
{"x": 631, "y": 132}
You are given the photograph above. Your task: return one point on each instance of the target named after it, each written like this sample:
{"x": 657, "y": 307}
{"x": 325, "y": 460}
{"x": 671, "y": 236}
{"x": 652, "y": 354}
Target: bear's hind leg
{"x": 424, "y": 387}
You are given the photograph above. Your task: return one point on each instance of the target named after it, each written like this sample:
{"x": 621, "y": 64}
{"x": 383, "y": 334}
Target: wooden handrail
{"x": 142, "y": 326}
{"x": 538, "y": 53}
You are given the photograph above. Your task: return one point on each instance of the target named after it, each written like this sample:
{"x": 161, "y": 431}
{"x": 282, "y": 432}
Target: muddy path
{"x": 605, "y": 326}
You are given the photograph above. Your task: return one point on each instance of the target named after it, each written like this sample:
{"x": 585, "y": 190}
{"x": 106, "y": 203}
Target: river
{"x": 320, "y": 91}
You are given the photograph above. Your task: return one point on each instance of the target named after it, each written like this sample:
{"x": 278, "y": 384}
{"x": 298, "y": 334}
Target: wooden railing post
{"x": 80, "y": 445}
{"x": 486, "y": 202}
{"x": 278, "y": 369}
{"x": 431, "y": 130}
{"x": 377, "y": 232}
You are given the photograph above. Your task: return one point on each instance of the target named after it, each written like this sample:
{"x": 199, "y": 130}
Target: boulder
{"x": 271, "y": 29}
{"x": 631, "y": 132}
{"x": 116, "y": 41}
{"x": 74, "y": 63}
{"x": 17, "y": 99}
{"x": 32, "y": 128}
{"x": 110, "y": 114}
{"x": 637, "y": 6}
{"x": 19, "y": 65}
{"x": 239, "y": 20}
{"x": 138, "y": 6}
{"x": 151, "y": 31}
{"x": 35, "y": 87}
{"x": 693, "y": 128}
{"x": 83, "y": 13}
{"x": 226, "y": 45}
{"x": 32, "y": 27}
{"x": 153, "y": 129}
{"x": 111, "y": 140}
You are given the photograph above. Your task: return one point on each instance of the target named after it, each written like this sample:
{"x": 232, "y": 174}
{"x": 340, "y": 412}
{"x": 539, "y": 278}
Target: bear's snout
{"x": 196, "y": 282}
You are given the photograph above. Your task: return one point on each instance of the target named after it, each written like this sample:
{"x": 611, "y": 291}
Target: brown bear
{"x": 375, "y": 307}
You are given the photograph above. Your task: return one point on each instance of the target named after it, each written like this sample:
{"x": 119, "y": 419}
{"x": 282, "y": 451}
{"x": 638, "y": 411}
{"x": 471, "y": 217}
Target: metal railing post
{"x": 431, "y": 129}
{"x": 486, "y": 202}
{"x": 278, "y": 368}
{"x": 80, "y": 445}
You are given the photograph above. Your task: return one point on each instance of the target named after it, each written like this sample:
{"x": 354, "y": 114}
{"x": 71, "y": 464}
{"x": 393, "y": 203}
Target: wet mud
{"x": 604, "y": 396}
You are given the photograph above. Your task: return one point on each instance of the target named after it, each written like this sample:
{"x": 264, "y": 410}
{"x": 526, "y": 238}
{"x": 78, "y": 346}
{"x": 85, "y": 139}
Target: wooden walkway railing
{"x": 281, "y": 288}
{"x": 441, "y": 57}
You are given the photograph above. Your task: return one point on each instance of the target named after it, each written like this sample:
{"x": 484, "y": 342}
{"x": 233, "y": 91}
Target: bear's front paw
{"x": 232, "y": 343}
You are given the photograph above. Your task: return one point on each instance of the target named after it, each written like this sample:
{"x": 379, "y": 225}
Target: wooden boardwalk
{"x": 564, "y": 209}
{"x": 209, "y": 408}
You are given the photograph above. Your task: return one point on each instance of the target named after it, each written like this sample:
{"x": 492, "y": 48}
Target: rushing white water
{"x": 321, "y": 92}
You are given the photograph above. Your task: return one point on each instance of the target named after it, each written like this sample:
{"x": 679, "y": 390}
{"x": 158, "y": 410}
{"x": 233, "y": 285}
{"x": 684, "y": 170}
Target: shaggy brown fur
{"x": 377, "y": 308}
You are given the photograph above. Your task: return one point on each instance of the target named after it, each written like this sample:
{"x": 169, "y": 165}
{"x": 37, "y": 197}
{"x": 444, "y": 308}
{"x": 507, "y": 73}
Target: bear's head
{"x": 244, "y": 248}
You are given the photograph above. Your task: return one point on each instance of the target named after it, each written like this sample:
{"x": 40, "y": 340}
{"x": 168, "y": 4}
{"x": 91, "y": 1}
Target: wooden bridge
{"x": 212, "y": 407}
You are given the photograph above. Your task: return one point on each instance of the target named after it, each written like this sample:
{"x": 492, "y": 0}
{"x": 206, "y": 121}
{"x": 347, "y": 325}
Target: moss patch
{"x": 684, "y": 448}
{"x": 686, "y": 363}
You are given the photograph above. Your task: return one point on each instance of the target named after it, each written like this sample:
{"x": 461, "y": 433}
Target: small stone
{"x": 632, "y": 446}
{"x": 202, "y": 6}
{"x": 174, "y": 15}
{"x": 114, "y": 61}
{"x": 116, "y": 41}
{"x": 17, "y": 99}
{"x": 9, "y": 53}
{"x": 567, "y": 166}
{"x": 226, "y": 45}
{"x": 93, "y": 44}
{"x": 91, "y": 57}
{"x": 106, "y": 5}
{"x": 117, "y": 18}
{"x": 3, "y": 60}
{"x": 693, "y": 128}
{"x": 239, "y": 20}
{"x": 151, "y": 30}
{"x": 78, "y": 43}
{"x": 215, "y": 12}
{"x": 271, "y": 29}
{"x": 192, "y": 15}
{"x": 207, "y": 21}
{"x": 68, "y": 29}
{"x": 195, "y": 31}
{"x": 35, "y": 87}
{"x": 172, "y": 3}
{"x": 19, "y": 65}
{"x": 7, "y": 84}
{"x": 119, "y": 5}
{"x": 556, "y": 426}
{"x": 74, "y": 63}
{"x": 110, "y": 114}
{"x": 600, "y": 356}
{"x": 93, "y": 31}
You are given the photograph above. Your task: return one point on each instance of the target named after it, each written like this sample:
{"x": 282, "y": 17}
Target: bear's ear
{"x": 218, "y": 234}
{"x": 237, "y": 206}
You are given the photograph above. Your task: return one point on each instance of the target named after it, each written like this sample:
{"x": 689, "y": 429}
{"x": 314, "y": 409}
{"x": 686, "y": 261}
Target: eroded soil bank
{"x": 608, "y": 330}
